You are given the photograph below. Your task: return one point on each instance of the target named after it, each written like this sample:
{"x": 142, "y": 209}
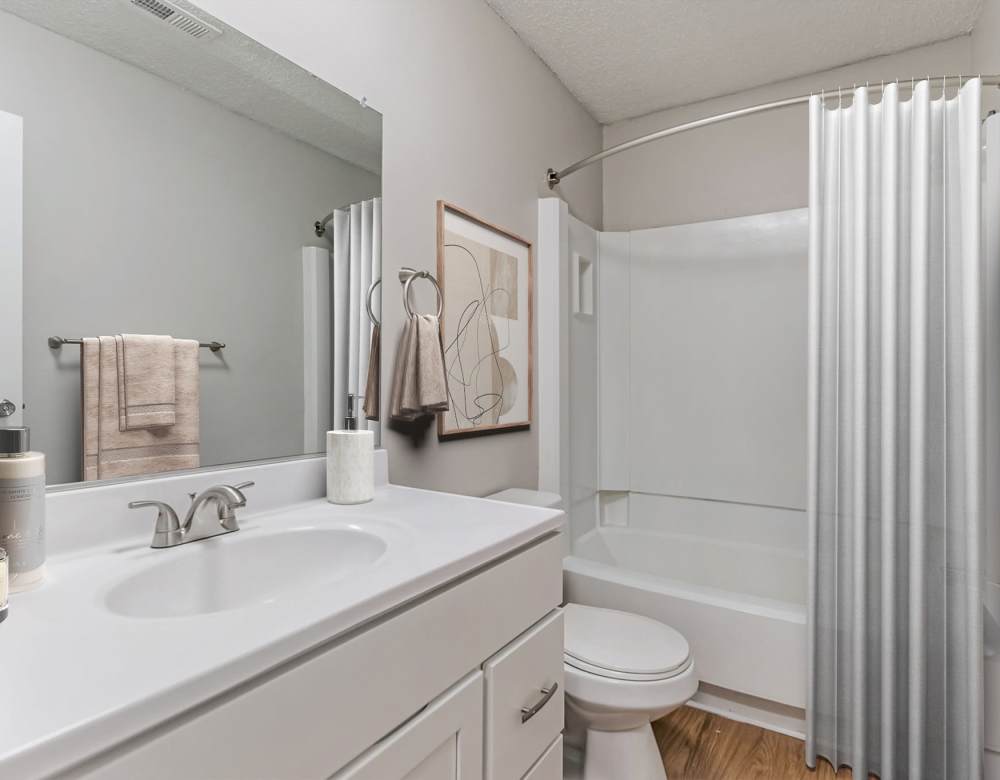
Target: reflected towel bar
{"x": 55, "y": 342}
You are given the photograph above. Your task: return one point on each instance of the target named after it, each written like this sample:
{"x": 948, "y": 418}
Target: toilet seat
{"x": 614, "y": 674}
{"x": 623, "y": 646}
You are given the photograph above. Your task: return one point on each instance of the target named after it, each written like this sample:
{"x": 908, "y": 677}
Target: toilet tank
{"x": 528, "y": 497}
{"x": 538, "y": 498}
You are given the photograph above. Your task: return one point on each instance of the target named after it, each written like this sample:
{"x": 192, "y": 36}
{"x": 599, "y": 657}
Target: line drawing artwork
{"x": 482, "y": 383}
{"x": 485, "y": 273}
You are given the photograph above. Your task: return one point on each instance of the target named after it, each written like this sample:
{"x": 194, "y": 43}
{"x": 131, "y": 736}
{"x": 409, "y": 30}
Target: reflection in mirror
{"x": 183, "y": 188}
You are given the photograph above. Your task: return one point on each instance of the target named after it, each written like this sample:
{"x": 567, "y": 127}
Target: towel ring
{"x": 368, "y": 302}
{"x": 406, "y": 277}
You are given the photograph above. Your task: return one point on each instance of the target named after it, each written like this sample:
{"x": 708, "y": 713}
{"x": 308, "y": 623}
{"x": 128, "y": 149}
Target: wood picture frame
{"x": 486, "y": 274}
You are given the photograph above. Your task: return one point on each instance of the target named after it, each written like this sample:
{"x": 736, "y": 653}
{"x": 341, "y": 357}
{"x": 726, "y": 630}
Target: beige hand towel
{"x": 419, "y": 387}
{"x": 109, "y": 452}
{"x": 372, "y": 384}
{"x": 145, "y": 381}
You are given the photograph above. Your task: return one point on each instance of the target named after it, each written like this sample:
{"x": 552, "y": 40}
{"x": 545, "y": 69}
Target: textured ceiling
{"x": 625, "y": 58}
{"x": 231, "y": 70}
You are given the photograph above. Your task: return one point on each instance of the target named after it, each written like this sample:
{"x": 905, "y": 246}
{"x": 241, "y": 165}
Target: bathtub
{"x": 740, "y": 604}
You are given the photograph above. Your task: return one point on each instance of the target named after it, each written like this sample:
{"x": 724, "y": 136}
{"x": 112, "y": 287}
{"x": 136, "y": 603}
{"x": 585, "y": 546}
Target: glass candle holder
{"x": 3, "y": 584}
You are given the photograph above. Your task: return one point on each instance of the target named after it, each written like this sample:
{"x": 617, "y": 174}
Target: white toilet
{"x": 623, "y": 671}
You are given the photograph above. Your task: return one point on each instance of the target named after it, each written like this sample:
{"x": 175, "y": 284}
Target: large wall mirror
{"x": 169, "y": 186}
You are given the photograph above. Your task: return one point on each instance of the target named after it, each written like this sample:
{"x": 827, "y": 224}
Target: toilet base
{"x": 613, "y": 755}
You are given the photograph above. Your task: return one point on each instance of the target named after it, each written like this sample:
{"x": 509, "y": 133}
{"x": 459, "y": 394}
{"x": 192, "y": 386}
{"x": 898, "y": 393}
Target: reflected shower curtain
{"x": 357, "y": 261}
{"x": 895, "y": 494}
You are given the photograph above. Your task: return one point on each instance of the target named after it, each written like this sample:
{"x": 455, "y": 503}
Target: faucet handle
{"x": 227, "y": 513}
{"x": 167, "y": 524}
{"x": 239, "y": 491}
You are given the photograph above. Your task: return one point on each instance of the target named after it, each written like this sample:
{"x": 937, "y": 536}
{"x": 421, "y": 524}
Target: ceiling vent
{"x": 175, "y": 17}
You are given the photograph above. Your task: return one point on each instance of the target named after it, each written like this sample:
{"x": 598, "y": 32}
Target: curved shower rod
{"x": 553, "y": 177}
{"x": 320, "y": 224}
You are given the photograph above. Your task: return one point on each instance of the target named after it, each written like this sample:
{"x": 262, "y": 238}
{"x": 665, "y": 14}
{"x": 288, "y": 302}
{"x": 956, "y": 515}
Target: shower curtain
{"x": 357, "y": 261}
{"x": 896, "y": 447}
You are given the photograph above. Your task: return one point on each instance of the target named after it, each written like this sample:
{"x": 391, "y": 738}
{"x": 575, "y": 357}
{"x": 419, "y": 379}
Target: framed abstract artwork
{"x": 486, "y": 278}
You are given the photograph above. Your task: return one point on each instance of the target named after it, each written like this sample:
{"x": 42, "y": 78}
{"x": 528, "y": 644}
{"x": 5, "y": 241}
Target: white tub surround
{"x": 95, "y": 680}
{"x": 685, "y": 483}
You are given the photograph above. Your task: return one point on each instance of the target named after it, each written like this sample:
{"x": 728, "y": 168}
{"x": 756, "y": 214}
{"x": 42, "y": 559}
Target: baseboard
{"x": 744, "y": 708}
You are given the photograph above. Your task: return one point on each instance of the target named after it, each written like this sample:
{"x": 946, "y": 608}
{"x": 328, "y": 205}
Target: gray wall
{"x": 148, "y": 209}
{"x": 470, "y": 115}
{"x": 751, "y": 165}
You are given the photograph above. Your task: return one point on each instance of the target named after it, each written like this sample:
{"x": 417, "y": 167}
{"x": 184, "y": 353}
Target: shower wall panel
{"x": 717, "y": 353}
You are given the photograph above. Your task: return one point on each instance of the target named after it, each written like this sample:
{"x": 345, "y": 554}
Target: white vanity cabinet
{"x": 433, "y": 690}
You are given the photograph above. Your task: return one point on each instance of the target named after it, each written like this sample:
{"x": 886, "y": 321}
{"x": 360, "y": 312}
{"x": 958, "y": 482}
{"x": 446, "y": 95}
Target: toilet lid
{"x": 613, "y": 643}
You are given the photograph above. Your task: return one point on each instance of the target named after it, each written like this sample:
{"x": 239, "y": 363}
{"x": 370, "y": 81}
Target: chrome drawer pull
{"x": 527, "y": 713}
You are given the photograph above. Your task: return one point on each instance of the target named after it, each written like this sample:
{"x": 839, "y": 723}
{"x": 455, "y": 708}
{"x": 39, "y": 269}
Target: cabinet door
{"x": 444, "y": 741}
{"x": 550, "y": 765}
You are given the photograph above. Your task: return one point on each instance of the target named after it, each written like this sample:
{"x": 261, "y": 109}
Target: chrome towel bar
{"x": 55, "y": 342}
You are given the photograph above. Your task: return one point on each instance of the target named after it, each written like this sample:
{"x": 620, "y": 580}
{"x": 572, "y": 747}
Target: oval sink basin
{"x": 233, "y": 572}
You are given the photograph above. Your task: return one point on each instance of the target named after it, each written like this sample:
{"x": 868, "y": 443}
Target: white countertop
{"x": 79, "y": 678}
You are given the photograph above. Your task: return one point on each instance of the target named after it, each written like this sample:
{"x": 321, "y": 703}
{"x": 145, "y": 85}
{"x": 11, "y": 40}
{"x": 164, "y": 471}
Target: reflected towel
{"x": 145, "y": 381}
{"x": 419, "y": 387}
{"x": 109, "y": 452}
{"x": 372, "y": 388}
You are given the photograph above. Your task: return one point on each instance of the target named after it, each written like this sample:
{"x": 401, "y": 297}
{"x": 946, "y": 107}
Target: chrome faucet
{"x": 170, "y": 532}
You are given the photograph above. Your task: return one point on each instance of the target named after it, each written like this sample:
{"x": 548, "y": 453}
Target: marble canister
{"x": 350, "y": 467}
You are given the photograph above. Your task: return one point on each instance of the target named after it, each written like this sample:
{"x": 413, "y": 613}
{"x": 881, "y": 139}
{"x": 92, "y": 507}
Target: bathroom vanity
{"x": 417, "y": 636}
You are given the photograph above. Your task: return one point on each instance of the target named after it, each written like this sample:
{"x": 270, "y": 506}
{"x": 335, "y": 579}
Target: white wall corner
{"x": 316, "y": 347}
{"x": 553, "y": 246}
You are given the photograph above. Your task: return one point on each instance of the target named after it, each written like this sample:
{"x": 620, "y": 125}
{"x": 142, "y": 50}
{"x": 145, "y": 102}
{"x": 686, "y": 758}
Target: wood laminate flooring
{"x": 698, "y": 745}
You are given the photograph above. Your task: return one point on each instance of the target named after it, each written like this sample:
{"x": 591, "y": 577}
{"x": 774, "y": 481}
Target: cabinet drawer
{"x": 521, "y": 719}
{"x": 550, "y": 765}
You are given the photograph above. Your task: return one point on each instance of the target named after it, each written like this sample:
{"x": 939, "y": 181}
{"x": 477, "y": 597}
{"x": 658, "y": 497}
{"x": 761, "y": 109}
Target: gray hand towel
{"x": 146, "y": 379}
{"x": 419, "y": 387}
{"x": 372, "y": 384}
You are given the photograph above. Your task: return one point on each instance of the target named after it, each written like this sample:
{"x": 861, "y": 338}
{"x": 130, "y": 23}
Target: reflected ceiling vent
{"x": 175, "y": 17}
